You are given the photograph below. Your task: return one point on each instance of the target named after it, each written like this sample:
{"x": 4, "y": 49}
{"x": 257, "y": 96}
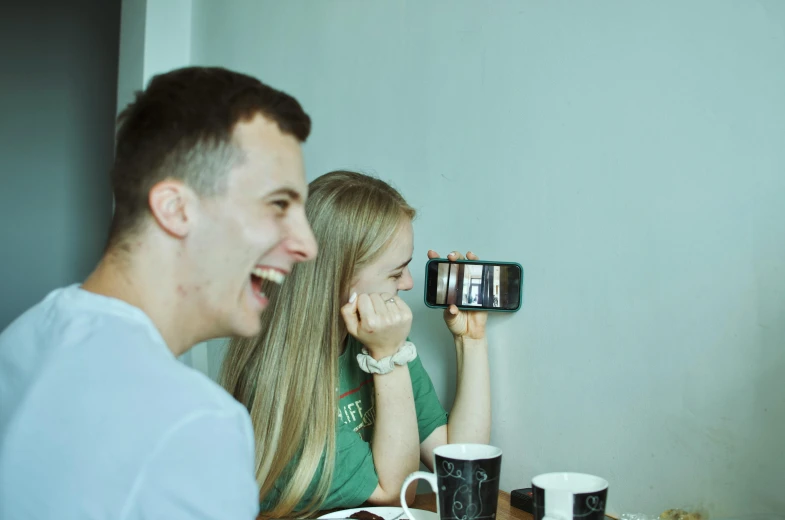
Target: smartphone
{"x": 473, "y": 285}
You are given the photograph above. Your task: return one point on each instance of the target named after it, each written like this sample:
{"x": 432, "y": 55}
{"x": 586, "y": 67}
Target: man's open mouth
{"x": 263, "y": 278}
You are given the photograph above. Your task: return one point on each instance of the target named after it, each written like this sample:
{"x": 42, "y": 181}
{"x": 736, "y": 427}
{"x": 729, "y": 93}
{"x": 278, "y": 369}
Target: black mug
{"x": 465, "y": 480}
{"x": 569, "y": 496}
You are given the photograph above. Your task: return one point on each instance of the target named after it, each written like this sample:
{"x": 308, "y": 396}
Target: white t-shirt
{"x": 98, "y": 420}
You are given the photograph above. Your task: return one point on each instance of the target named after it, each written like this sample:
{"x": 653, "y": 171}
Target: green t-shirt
{"x": 354, "y": 477}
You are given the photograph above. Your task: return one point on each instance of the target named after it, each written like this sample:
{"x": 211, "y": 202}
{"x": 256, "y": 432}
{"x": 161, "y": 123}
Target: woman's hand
{"x": 381, "y": 322}
{"x": 464, "y": 324}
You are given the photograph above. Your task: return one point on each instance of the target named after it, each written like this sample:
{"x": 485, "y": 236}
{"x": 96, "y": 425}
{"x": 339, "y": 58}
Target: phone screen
{"x": 473, "y": 285}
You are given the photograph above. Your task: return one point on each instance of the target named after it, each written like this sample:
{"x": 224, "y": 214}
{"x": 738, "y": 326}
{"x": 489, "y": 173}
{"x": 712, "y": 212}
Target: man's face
{"x": 253, "y": 232}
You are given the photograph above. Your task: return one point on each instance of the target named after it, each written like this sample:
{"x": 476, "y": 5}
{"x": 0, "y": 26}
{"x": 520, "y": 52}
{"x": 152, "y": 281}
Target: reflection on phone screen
{"x": 477, "y": 285}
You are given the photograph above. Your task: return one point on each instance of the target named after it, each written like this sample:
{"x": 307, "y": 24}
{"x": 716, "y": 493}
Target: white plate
{"x": 388, "y": 513}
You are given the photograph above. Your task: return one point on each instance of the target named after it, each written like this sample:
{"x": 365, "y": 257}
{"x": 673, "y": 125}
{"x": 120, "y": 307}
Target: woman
{"x": 342, "y": 409}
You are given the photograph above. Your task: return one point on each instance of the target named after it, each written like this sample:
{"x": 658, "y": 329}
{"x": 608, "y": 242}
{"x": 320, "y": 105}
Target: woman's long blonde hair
{"x": 288, "y": 375}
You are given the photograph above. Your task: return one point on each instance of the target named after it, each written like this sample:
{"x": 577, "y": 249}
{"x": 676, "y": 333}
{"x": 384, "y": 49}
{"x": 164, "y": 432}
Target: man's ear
{"x": 172, "y": 205}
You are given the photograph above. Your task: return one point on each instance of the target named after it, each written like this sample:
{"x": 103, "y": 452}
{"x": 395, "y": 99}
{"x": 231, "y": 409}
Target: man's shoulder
{"x": 78, "y": 352}
{"x": 81, "y": 385}
{"x": 33, "y": 317}
{"x": 72, "y": 315}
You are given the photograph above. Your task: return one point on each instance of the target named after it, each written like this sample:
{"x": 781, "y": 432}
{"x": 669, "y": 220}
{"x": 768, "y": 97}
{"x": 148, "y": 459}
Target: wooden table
{"x": 504, "y": 510}
{"x": 427, "y": 502}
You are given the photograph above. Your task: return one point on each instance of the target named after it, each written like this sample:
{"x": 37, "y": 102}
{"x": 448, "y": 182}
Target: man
{"x": 97, "y": 417}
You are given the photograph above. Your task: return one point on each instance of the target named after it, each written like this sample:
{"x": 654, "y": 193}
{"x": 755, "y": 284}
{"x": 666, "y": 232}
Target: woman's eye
{"x": 397, "y": 276}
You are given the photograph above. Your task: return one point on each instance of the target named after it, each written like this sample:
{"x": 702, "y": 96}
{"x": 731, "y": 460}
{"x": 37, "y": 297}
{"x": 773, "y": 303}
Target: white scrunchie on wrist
{"x": 368, "y": 364}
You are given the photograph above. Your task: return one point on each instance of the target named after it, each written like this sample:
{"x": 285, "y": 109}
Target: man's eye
{"x": 283, "y": 204}
{"x": 397, "y": 276}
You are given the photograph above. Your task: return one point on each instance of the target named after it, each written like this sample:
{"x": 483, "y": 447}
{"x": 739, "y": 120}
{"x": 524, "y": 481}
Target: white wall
{"x": 155, "y": 38}
{"x": 632, "y": 158}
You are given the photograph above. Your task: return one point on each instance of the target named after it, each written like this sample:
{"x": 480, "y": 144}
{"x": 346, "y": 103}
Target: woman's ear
{"x": 348, "y": 294}
{"x": 351, "y": 289}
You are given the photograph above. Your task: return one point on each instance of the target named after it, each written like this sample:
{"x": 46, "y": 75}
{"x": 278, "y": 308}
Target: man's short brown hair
{"x": 180, "y": 127}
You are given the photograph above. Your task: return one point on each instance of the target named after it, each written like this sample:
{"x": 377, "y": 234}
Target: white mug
{"x": 569, "y": 496}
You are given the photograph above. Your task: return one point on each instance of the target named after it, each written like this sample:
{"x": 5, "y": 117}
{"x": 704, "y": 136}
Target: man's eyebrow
{"x": 290, "y": 192}
{"x": 403, "y": 265}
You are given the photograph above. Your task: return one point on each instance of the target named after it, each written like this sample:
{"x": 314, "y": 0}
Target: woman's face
{"x": 390, "y": 272}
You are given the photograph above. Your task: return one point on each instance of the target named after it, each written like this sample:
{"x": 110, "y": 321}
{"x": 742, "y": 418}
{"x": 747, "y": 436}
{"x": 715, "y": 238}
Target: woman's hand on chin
{"x": 381, "y": 322}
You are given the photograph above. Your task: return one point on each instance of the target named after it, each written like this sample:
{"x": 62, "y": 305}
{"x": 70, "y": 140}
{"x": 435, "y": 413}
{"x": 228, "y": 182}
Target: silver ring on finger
{"x": 391, "y": 300}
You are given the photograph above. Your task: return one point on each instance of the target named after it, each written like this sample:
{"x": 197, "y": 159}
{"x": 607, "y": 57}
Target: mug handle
{"x": 430, "y": 477}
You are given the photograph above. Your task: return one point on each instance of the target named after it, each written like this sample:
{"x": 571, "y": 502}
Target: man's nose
{"x": 302, "y": 243}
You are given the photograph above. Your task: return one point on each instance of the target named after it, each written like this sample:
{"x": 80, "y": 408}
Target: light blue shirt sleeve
{"x": 202, "y": 469}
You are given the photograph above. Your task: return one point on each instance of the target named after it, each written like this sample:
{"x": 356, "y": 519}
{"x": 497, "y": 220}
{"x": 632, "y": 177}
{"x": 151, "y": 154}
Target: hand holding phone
{"x": 461, "y": 323}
